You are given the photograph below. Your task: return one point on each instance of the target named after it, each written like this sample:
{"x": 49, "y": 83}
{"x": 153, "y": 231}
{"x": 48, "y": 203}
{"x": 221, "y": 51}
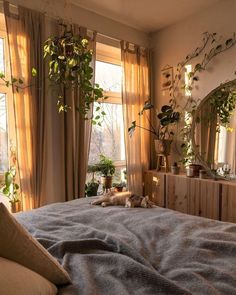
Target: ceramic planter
{"x": 106, "y": 182}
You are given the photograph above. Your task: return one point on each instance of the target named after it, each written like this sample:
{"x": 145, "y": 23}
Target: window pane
{"x": 108, "y": 76}
{"x": 3, "y": 134}
{"x": 109, "y": 138}
{"x": 2, "y": 61}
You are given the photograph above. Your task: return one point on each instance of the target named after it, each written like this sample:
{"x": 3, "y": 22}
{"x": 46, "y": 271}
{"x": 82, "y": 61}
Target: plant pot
{"x": 175, "y": 170}
{"x": 106, "y": 182}
{"x": 119, "y": 188}
{"x": 92, "y": 189}
{"x": 193, "y": 170}
{"x": 15, "y": 207}
{"x": 163, "y": 146}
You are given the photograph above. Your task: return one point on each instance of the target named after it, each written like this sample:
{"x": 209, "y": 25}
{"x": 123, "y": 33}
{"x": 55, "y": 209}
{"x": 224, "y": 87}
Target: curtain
{"x": 135, "y": 91}
{"x": 52, "y": 148}
{"x": 25, "y": 36}
{"x": 67, "y": 137}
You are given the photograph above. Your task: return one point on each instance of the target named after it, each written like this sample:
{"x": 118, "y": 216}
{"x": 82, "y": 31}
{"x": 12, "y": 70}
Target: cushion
{"x": 17, "y": 279}
{"x": 18, "y": 245}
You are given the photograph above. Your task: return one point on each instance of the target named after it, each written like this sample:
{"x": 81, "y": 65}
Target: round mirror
{"x": 214, "y": 131}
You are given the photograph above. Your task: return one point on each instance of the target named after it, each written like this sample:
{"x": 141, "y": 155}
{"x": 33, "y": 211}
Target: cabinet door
{"x": 154, "y": 187}
{"x": 176, "y": 193}
{"x": 228, "y": 208}
{"x": 203, "y": 198}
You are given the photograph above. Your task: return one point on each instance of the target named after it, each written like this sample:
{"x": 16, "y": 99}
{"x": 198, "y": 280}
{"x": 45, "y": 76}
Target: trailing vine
{"x": 69, "y": 68}
{"x": 224, "y": 108}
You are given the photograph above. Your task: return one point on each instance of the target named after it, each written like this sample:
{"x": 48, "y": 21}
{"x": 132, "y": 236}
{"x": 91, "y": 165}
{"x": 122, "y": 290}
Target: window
{"x": 109, "y": 138}
{"x": 6, "y": 105}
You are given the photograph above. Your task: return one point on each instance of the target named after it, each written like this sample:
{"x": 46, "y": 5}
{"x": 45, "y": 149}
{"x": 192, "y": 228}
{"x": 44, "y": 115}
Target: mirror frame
{"x": 192, "y": 136}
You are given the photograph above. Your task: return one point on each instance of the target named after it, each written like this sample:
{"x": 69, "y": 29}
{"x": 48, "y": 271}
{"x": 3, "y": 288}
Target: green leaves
{"x": 9, "y": 187}
{"x": 69, "y": 66}
{"x": 34, "y": 72}
{"x": 131, "y": 129}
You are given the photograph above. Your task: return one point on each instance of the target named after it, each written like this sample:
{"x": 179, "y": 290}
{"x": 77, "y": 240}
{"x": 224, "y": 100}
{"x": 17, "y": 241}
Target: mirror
{"x": 214, "y": 131}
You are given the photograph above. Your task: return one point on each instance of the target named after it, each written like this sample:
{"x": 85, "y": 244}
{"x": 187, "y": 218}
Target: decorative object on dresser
{"x": 164, "y": 133}
{"x": 202, "y": 197}
{"x": 175, "y": 168}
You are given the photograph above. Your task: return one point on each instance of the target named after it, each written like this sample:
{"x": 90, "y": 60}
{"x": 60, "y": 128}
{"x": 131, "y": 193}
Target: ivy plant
{"x": 208, "y": 50}
{"x": 70, "y": 67}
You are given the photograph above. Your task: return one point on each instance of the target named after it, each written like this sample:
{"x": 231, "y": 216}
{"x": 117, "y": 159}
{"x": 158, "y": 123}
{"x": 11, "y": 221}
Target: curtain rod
{"x": 58, "y": 18}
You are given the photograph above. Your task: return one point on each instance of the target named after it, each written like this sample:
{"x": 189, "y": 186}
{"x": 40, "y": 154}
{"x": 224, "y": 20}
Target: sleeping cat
{"x": 111, "y": 198}
{"x": 123, "y": 199}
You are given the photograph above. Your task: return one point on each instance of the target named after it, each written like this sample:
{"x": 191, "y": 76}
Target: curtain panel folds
{"x": 135, "y": 91}
{"x": 52, "y": 148}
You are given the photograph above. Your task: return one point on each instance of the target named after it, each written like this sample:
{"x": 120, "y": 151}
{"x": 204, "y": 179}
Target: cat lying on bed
{"x": 123, "y": 199}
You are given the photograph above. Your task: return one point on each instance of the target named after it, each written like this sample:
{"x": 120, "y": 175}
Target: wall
{"x": 91, "y": 20}
{"x": 172, "y": 44}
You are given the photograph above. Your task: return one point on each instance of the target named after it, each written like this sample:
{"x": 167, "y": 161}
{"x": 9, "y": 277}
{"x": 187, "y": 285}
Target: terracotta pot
{"x": 106, "y": 181}
{"x": 15, "y": 207}
{"x": 163, "y": 146}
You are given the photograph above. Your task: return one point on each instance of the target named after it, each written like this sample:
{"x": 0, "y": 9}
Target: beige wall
{"x": 172, "y": 44}
{"x": 91, "y": 20}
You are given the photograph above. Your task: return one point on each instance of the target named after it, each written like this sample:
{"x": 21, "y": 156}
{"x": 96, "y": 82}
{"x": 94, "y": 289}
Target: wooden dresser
{"x": 201, "y": 197}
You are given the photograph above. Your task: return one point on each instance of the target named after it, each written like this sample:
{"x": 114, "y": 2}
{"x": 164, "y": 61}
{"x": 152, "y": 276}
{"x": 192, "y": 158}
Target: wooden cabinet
{"x": 203, "y": 198}
{"x": 228, "y": 208}
{"x": 176, "y": 193}
{"x": 155, "y": 187}
{"x": 200, "y": 197}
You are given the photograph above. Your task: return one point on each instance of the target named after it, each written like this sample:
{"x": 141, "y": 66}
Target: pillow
{"x": 17, "y": 279}
{"x": 18, "y": 245}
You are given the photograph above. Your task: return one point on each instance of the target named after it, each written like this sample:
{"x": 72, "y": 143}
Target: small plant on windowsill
{"x": 91, "y": 187}
{"x": 106, "y": 168}
{"x": 164, "y": 133}
{"x": 9, "y": 187}
{"x": 119, "y": 186}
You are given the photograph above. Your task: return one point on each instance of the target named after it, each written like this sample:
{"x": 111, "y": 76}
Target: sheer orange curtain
{"x": 135, "y": 91}
{"x": 25, "y": 37}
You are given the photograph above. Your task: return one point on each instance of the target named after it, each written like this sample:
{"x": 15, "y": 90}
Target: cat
{"x": 123, "y": 199}
{"x": 139, "y": 201}
{"x": 112, "y": 199}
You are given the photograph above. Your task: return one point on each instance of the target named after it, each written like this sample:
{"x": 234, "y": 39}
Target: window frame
{"x": 113, "y": 97}
{"x": 8, "y": 92}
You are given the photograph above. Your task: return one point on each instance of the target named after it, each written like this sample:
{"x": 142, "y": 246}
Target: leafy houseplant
{"x": 164, "y": 134}
{"x": 69, "y": 68}
{"x": 107, "y": 169}
{"x": 9, "y": 187}
{"x": 91, "y": 187}
{"x": 119, "y": 186}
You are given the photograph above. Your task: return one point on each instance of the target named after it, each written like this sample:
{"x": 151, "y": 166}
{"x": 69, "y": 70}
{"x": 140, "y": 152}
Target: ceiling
{"x": 146, "y": 15}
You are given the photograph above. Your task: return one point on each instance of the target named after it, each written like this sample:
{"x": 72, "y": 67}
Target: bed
{"x": 119, "y": 251}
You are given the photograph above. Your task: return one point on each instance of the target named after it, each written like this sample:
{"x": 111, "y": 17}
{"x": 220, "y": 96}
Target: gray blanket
{"x": 119, "y": 251}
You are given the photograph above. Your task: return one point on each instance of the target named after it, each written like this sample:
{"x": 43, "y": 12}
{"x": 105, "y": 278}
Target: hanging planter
{"x": 69, "y": 68}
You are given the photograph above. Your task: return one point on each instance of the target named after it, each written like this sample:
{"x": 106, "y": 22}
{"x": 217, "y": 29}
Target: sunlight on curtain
{"x": 135, "y": 91}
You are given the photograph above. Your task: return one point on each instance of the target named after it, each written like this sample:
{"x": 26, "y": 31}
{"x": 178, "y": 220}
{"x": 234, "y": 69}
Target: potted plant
{"x": 10, "y": 189}
{"x": 91, "y": 187}
{"x": 119, "y": 186}
{"x": 107, "y": 169}
{"x": 164, "y": 133}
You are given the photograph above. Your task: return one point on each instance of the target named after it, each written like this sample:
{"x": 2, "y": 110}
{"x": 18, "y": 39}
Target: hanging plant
{"x": 69, "y": 68}
{"x": 224, "y": 103}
